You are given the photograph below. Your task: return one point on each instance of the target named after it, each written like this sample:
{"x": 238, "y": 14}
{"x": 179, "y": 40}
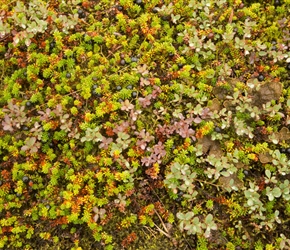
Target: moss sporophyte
{"x": 144, "y": 124}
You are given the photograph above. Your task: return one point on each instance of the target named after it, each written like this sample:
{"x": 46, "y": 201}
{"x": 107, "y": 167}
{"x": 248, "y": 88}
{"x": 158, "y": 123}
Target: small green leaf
{"x": 268, "y": 173}
{"x": 276, "y": 192}
{"x": 189, "y": 215}
{"x": 208, "y": 219}
{"x": 270, "y": 196}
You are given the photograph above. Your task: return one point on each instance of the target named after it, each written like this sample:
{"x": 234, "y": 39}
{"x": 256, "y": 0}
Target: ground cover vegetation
{"x": 144, "y": 124}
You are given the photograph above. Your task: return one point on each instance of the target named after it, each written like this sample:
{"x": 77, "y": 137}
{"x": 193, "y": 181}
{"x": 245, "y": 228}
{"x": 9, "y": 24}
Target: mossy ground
{"x": 144, "y": 124}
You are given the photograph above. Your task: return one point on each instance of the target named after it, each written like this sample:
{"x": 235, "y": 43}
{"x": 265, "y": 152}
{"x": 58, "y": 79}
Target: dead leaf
{"x": 225, "y": 88}
{"x": 210, "y": 147}
{"x": 284, "y": 134}
{"x": 267, "y": 92}
{"x": 265, "y": 157}
{"x": 225, "y": 181}
{"x": 214, "y": 105}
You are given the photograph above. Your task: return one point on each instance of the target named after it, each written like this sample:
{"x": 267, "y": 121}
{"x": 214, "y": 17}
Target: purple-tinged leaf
{"x": 105, "y": 142}
{"x": 144, "y": 82}
{"x": 127, "y": 106}
{"x": 7, "y": 124}
{"x": 45, "y": 115}
{"x": 121, "y": 128}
